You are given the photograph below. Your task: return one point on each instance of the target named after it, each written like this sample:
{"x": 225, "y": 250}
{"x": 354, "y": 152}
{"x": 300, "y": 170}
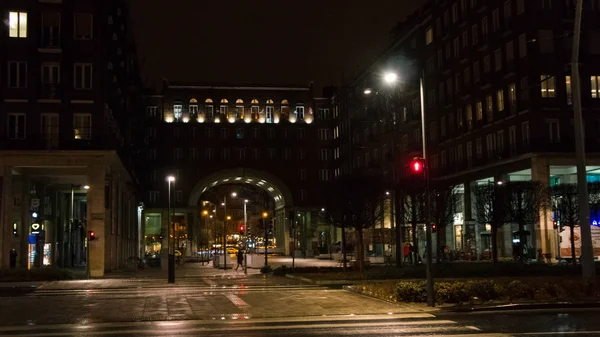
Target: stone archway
{"x": 276, "y": 188}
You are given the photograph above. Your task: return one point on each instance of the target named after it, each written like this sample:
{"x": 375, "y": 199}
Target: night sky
{"x": 261, "y": 41}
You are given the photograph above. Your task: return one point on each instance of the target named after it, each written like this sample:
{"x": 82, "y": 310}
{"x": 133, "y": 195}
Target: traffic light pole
{"x": 428, "y": 227}
{"x": 246, "y": 240}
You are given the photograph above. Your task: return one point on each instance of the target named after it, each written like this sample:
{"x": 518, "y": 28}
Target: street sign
{"x": 35, "y": 202}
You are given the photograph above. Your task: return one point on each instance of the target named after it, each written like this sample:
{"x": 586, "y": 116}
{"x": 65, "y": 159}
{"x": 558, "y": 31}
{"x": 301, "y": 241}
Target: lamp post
{"x": 266, "y": 241}
{"x": 245, "y": 238}
{"x": 587, "y": 249}
{"x": 171, "y": 233}
{"x": 204, "y": 216}
{"x": 87, "y": 251}
{"x": 225, "y": 218}
{"x": 390, "y": 78}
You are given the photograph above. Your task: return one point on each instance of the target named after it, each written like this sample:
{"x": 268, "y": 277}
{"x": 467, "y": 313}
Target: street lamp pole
{"x": 246, "y": 239}
{"x": 587, "y": 250}
{"x": 266, "y": 242}
{"x": 428, "y": 229}
{"x": 225, "y": 233}
{"x": 391, "y": 78}
{"x": 171, "y": 232}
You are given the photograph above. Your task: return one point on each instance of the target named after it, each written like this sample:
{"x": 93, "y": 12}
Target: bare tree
{"x": 524, "y": 202}
{"x": 565, "y": 203}
{"x": 490, "y": 209}
{"x": 413, "y": 209}
{"x": 354, "y": 202}
{"x": 443, "y": 207}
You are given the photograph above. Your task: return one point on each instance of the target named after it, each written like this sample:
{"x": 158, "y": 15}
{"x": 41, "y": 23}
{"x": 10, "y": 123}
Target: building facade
{"x": 67, "y": 94}
{"x": 498, "y": 107}
{"x": 274, "y": 138}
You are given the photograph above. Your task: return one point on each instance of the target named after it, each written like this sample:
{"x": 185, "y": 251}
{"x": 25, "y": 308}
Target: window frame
{"x": 82, "y": 135}
{"x": 19, "y": 118}
{"x": 21, "y": 32}
{"x": 82, "y": 85}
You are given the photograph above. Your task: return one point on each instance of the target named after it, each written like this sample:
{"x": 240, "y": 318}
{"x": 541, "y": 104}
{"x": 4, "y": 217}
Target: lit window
{"x": 489, "y": 108}
{"x": 429, "y": 36}
{"x": 479, "y": 110}
{"x": 469, "y": 113}
{"x": 17, "y": 23}
{"x": 82, "y": 126}
{"x": 300, "y": 112}
{"x": 548, "y": 85}
{"x": 595, "y": 86}
{"x": 177, "y": 111}
{"x": 500, "y": 100}
{"x": 512, "y": 96}
{"x": 269, "y": 113}
{"x": 569, "y": 92}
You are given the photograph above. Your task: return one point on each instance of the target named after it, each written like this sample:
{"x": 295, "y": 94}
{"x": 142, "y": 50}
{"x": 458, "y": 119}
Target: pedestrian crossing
{"x": 421, "y": 324}
{"x": 177, "y": 290}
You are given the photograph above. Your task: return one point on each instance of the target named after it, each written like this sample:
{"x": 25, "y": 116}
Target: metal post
{"x": 225, "y": 233}
{"x": 246, "y": 240}
{"x": 70, "y": 236}
{"x": 428, "y": 249}
{"x": 266, "y": 241}
{"x": 587, "y": 250}
{"x": 170, "y": 248}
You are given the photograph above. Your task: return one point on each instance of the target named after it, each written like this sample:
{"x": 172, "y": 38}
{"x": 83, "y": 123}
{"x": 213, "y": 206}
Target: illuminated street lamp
{"x": 390, "y": 78}
{"x": 170, "y": 245}
{"x": 417, "y": 166}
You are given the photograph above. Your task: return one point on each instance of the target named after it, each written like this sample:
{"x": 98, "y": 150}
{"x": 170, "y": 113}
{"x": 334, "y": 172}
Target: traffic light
{"x": 433, "y": 228}
{"x": 416, "y": 166}
{"x": 555, "y": 224}
{"x": 241, "y": 230}
{"x": 91, "y": 236}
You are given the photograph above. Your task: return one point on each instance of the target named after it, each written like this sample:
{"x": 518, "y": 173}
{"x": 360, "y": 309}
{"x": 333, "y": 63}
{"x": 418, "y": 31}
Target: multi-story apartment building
{"x": 497, "y": 89}
{"x": 274, "y": 138}
{"x": 68, "y": 87}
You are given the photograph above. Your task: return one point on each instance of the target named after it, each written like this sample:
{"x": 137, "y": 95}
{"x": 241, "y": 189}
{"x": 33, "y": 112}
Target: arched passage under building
{"x": 276, "y": 189}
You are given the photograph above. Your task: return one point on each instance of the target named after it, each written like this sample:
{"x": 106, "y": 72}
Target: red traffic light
{"x": 433, "y": 228}
{"x": 417, "y": 165}
{"x": 241, "y": 228}
{"x": 92, "y": 235}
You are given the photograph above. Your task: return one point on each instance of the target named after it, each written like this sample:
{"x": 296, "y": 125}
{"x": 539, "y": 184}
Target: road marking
{"x": 238, "y": 302}
{"x": 406, "y": 328}
{"x": 210, "y": 282}
{"x": 333, "y": 318}
{"x": 596, "y": 333}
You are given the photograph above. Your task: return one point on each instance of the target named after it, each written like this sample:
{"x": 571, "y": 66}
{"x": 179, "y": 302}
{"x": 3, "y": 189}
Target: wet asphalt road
{"x": 551, "y": 322}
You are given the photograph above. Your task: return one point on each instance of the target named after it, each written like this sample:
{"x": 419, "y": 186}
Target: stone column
{"x": 545, "y": 235}
{"x": 282, "y": 232}
{"x": 96, "y": 220}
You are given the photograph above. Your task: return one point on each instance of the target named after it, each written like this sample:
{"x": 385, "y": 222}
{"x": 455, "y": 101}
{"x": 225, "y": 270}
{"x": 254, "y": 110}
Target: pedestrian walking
{"x": 240, "y": 259}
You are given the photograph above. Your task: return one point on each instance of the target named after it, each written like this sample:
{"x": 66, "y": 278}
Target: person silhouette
{"x": 240, "y": 259}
